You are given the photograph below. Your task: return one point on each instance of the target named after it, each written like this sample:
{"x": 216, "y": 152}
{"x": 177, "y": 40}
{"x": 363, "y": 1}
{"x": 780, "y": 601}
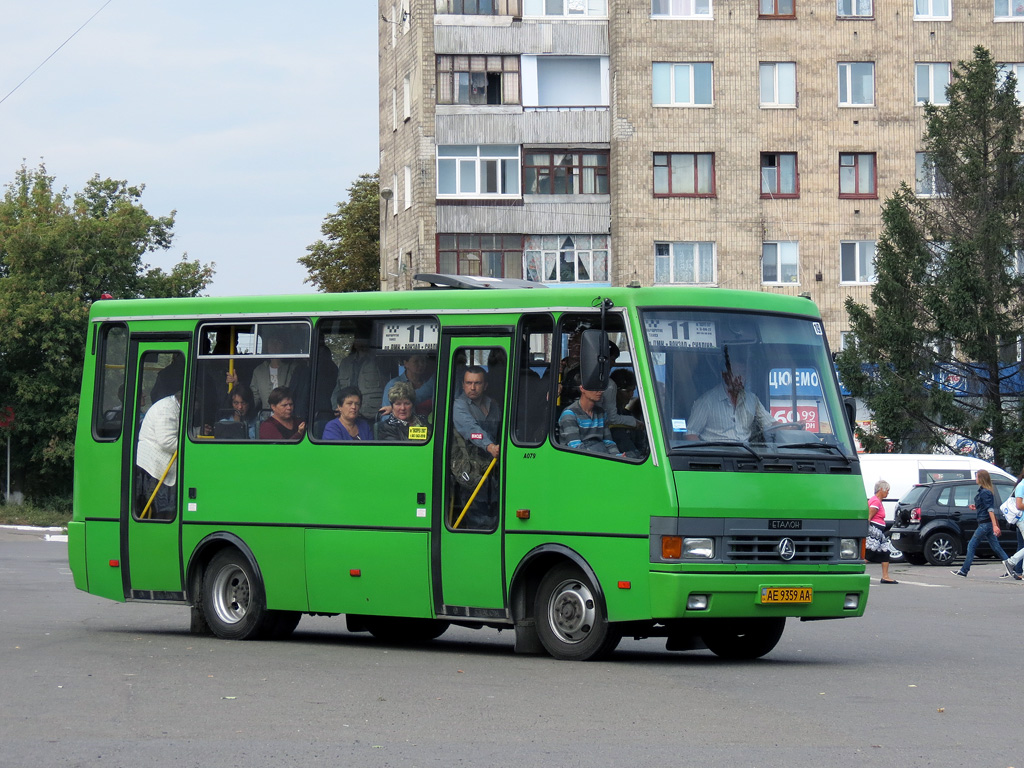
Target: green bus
{"x": 577, "y": 465}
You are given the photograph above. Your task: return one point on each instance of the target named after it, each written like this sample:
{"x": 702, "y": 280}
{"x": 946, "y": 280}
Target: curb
{"x": 56, "y": 533}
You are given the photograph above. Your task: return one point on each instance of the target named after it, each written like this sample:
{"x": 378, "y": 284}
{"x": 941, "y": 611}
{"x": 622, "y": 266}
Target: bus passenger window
{"x": 532, "y": 381}
{"x": 108, "y": 398}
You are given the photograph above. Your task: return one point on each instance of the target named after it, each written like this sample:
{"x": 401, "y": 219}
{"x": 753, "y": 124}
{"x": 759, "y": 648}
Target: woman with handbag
{"x": 877, "y": 545}
{"x": 988, "y": 527}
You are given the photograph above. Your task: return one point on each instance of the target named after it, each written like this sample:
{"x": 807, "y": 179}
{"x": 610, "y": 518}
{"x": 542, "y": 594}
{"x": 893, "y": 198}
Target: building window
{"x": 932, "y": 10}
{"x": 845, "y": 339}
{"x": 565, "y": 81}
{"x": 566, "y": 258}
{"x": 854, "y": 9}
{"x": 488, "y": 170}
{"x": 681, "y": 9}
{"x": 479, "y": 7}
{"x": 1018, "y": 72}
{"x": 778, "y": 84}
{"x": 779, "y": 175}
{"x": 930, "y": 83}
{"x": 684, "y": 263}
{"x": 406, "y": 17}
{"x": 394, "y": 109}
{"x": 779, "y": 262}
{"x": 565, "y": 173}
{"x": 857, "y": 174}
{"x": 928, "y": 182}
{"x": 857, "y": 261}
{"x": 570, "y": 8}
{"x": 856, "y": 83}
{"x": 394, "y": 190}
{"x": 408, "y": 187}
{"x": 776, "y": 9}
{"x": 682, "y": 85}
{"x": 477, "y": 79}
{"x": 481, "y": 255}
{"x": 407, "y": 97}
{"x": 1009, "y": 10}
{"x": 687, "y": 174}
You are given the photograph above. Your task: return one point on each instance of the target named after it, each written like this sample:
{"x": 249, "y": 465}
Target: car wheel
{"x": 742, "y": 638}
{"x": 941, "y": 548}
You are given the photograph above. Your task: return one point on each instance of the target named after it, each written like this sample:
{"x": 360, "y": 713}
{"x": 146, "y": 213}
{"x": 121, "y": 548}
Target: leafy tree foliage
{"x": 948, "y": 296}
{"x": 348, "y": 258}
{"x": 58, "y": 254}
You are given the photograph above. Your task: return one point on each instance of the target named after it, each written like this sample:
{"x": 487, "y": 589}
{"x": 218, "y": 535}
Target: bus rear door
{"x": 151, "y": 499}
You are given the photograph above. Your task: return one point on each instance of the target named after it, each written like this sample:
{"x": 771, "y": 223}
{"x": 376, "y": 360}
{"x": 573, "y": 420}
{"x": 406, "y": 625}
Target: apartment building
{"x": 732, "y": 143}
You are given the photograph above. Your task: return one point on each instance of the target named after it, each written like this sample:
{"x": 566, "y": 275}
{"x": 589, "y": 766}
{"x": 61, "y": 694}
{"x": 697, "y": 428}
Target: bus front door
{"x": 470, "y": 531}
{"x": 151, "y": 502}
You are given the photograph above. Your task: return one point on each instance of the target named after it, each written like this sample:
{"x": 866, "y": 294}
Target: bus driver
{"x": 727, "y": 412}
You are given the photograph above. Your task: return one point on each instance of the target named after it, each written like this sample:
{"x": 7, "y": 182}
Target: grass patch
{"x": 32, "y": 514}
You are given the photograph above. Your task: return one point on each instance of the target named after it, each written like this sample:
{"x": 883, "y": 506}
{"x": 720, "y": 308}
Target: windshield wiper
{"x": 718, "y": 443}
{"x": 826, "y": 446}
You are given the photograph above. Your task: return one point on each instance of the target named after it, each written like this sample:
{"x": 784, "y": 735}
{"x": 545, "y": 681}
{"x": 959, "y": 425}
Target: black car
{"x": 934, "y": 521}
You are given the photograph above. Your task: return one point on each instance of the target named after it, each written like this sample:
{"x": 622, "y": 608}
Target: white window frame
{"x": 407, "y": 96}
{"x": 688, "y": 70}
{"x": 1014, "y": 10}
{"x": 547, "y": 253}
{"x": 924, "y": 10}
{"x": 778, "y": 72}
{"x": 928, "y": 85}
{"x": 408, "y": 187}
{"x": 856, "y": 9}
{"x": 394, "y": 190}
{"x": 783, "y": 252}
{"x": 927, "y": 180}
{"x": 700, "y": 252}
{"x": 394, "y": 109}
{"x": 1018, "y": 70}
{"x": 476, "y": 164}
{"x": 682, "y": 9}
{"x": 571, "y": 9}
{"x": 846, "y": 78}
{"x": 864, "y": 272}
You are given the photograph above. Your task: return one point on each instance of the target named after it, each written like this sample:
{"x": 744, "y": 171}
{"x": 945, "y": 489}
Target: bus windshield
{"x": 758, "y": 385}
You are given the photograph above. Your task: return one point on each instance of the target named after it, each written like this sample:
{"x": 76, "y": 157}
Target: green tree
{"x": 59, "y": 253}
{"x": 948, "y": 296}
{"x": 348, "y": 258}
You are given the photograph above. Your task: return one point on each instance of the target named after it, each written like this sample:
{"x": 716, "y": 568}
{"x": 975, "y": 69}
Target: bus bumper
{"x": 744, "y": 595}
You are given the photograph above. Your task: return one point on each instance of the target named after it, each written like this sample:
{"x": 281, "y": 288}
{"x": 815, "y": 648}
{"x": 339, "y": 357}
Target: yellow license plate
{"x": 776, "y": 595}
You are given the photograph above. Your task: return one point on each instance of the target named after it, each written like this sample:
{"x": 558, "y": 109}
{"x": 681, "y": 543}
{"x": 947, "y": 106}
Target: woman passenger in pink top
{"x": 877, "y": 544}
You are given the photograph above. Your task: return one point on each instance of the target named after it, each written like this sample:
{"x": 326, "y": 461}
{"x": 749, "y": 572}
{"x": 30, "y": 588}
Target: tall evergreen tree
{"x": 948, "y": 296}
{"x": 348, "y": 258}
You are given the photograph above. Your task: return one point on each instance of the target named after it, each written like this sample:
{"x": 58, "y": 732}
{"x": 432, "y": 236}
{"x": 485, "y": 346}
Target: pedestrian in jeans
{"x": 1015, "y": 562}
{"x": 984, "y": 507}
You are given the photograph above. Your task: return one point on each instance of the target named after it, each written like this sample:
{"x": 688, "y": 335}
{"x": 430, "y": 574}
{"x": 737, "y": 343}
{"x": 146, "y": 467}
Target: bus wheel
{"x": 571, "y": 622}
{"x": 391, "y": 629}
{"x": 233, "y": 599}
{"x": 742, "y": 638}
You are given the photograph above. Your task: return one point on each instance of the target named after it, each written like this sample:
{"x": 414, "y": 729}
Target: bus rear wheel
{"x": 571, "y": 621}
{"x": 233, "y": 600}
{"x": 742, "y": 638}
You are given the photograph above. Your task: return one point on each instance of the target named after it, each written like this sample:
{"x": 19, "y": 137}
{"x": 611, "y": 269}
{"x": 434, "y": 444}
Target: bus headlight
{"x": 849, "y": 549}
{"x": 702, "y": 547}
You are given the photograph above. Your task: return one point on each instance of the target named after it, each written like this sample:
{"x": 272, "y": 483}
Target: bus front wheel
{"x": 571, "y": 621}
{"x": 233, "y": 601}
{"x": 742, "y": 638}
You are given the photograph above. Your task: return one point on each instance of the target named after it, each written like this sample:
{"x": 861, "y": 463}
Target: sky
{"x": 250, "y": 119}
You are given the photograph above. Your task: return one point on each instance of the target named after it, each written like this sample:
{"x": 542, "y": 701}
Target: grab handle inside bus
{"x": 476, "y": 490}
{"x": 145, "y": 512}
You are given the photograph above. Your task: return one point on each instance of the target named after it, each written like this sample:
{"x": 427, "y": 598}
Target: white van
{"x": 905, "y": 470}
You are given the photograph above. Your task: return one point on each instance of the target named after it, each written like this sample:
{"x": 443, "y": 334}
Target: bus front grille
{"x": 765, "y": 548}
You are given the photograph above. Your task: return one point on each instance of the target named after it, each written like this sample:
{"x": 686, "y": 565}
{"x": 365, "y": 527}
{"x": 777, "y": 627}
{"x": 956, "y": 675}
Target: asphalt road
{"x": 927, "y": 677}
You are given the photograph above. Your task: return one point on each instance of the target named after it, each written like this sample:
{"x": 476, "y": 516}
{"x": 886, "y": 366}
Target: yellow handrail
{"x": 475, "y": 492}
{"x": 145, "y": 512}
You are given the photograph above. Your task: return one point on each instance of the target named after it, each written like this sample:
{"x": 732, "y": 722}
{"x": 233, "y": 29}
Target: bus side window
{"x": 532, "y": 381}
{"x": 108, "y": 398}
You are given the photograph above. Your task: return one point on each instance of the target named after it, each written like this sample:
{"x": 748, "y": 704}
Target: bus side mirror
{"x": 595, "y": 364}
{"x": 851, "y": 411}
